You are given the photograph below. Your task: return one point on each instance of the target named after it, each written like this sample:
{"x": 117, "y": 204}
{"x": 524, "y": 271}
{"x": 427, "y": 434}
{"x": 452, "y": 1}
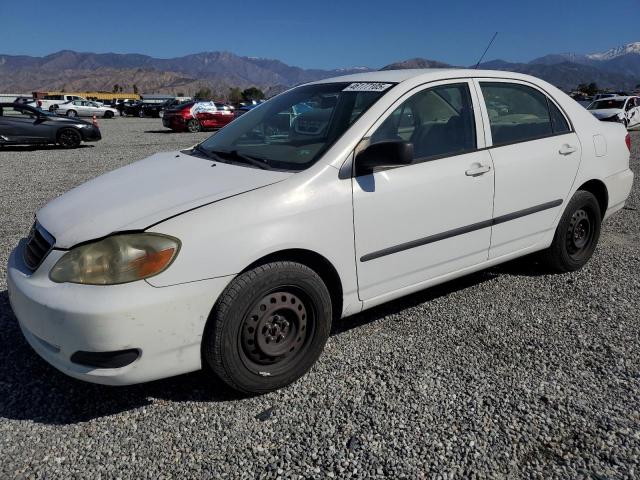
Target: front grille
{"x": 39, "y": 244}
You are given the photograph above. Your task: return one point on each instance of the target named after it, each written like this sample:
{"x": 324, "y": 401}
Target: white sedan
{"x": 625, "y": 110}
{"x": 85, "y": 108}
{"x": 239, "y": 253}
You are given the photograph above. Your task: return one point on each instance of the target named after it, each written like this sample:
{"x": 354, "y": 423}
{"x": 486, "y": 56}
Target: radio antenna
{"x": 486, "y": 50}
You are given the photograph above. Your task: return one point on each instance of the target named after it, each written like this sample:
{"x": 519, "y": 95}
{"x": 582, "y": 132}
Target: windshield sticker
{"x": 367, "y": 87}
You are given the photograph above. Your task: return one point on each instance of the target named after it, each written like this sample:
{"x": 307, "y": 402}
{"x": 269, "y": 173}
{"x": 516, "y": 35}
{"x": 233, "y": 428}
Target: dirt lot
{"x": 508, "y": 373}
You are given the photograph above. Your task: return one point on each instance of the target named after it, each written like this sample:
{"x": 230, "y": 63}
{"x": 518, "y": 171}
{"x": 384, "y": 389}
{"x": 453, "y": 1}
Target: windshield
{"x": 604, "y": 104}
{"x": 294, "y": 129}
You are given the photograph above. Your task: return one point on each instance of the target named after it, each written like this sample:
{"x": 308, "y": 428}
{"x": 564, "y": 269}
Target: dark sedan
{"x": 25, "y": 125}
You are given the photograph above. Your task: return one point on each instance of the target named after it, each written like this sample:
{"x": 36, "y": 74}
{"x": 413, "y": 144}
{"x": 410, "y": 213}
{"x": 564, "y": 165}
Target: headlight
{"x": 117, "y": 259}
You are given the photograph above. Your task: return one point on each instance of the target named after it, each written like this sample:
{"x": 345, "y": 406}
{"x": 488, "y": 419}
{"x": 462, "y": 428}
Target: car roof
{"x": 15, "y": 104}
{"x": 425, "y": 74}
{"x": 615, "y": 98}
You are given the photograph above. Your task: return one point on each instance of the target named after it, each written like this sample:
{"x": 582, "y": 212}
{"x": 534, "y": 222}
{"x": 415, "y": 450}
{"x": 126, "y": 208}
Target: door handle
{"x": 567, "y": 149}
{"x": 477, "y": 169}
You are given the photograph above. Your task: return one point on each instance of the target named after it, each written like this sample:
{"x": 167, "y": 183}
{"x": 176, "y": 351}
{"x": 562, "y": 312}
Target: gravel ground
{"x": 508, "y": 373}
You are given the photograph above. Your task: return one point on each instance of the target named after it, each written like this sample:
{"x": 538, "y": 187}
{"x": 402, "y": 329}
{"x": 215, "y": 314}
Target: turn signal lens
{"x": 117, "y": 259}
{"x": 627, "y": 140}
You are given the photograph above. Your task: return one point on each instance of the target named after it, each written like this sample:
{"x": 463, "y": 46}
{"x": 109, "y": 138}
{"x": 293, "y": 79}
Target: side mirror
{"x": 384, "y": 154}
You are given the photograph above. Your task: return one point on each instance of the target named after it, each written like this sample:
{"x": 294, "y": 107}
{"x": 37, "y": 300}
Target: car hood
{"x": 144, "y": 193}
{"x": 605, "y": 113}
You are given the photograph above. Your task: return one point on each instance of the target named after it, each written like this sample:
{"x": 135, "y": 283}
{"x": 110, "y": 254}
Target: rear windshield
{"x": 605, "y": 104}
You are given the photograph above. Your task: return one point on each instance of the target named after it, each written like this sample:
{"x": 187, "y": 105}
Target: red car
{"x": 197, "y": 116}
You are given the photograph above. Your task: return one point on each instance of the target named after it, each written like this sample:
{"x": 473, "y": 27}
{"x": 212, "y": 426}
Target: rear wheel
{"x": 268, "y": 327}
{"x": 72, "y": 113}
{"x": 194, "y": 126}
{"x": 69, "y": 138}
{"x": 577, "y": 234}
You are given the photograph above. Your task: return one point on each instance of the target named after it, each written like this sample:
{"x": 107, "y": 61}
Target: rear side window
{"x": 558, "y": 122}
{"x": 517, "y": 113}
{"x": 438, "y": 121}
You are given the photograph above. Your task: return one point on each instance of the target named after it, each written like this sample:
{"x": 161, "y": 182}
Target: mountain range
{"x": 78, "y": 71}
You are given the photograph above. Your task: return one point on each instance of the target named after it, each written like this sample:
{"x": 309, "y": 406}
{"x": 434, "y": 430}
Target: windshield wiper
{"x": 198, "y": 148}
{"x": 251, "y": 160}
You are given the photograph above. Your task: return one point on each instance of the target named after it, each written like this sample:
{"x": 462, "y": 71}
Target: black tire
{"x": 141, "y": 113}
{"x": 268, "y": 327}
{"x": 53, "y": 108}
{"x": 194, "y": 126}
{"x": 72, "y": 113}
{"x": 69, "y": 138}
{"x": 577, "y": 234}
{"x": 108, "y": 114}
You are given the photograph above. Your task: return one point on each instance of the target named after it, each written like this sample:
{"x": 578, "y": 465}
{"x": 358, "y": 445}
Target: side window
{"x": 517, "y": 113}
{"x": 16, "y": 112}
{"x": 558, "y": 122}
{"x": 630, "y": 104}
{"x": 438, "y": 121}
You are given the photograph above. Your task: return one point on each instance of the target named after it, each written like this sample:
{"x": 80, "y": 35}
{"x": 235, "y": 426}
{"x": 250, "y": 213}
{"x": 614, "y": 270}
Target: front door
{"x": 433, "y": 217}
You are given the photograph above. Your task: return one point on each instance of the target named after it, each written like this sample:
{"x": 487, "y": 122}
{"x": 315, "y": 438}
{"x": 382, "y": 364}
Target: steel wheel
{"x": 276, "y": 330}
{"x": 579, "y": 233}
{"x": 268, "y": 327}
{"x": 69, "y": 138}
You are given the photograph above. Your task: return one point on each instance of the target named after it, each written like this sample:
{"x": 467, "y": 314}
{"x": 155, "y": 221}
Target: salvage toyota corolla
{"x": 335, "y": 196}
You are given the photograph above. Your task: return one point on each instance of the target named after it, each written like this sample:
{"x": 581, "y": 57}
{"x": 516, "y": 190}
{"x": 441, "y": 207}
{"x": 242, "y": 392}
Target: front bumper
{"x": 164, "y": 324}
{"x": 91, "y": 134}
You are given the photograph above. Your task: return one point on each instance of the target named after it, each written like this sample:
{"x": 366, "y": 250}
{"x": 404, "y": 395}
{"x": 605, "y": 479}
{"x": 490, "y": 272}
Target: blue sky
{"x": 320, "y": 34}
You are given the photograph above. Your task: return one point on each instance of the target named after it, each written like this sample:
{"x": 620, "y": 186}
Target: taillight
{"x": 627, "y": 140}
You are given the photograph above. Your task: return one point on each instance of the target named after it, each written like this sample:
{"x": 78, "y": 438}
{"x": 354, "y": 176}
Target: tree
{"x": 116, "y": 87}
{"x": 235, "y": 95}
{"x": 588, "y": 89}
{"x": 252, "y": 93}
{"x": 203, "y": 93}
{"x": 135, "y": 88}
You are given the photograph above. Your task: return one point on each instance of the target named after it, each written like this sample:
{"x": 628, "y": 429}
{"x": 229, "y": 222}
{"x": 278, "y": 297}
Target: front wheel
{"x": 268, "y": 327}
{"x": 71, "y": 113}
{"x": 108, "y": 114}
{"x": 577, "y": 234}
{"x": 69, "y": 138}
{"x": 194, "y": 126}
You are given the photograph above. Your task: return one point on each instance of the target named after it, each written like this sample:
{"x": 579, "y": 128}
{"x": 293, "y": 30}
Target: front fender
{"x": 311, "y": 210}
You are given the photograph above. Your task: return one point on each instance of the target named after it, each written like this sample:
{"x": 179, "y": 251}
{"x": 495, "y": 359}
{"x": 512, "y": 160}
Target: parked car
{"x": 625, "y": 110}
{"x": 85, "y": 108}
{"x": 600, "y": 96}
{"x": 24, "y": 100}
{"x": 25, "y": 125}
{"x": 197, "y": 116}
{"x": 156, "y": 110}
{"x": 391, "y": 182}
{"x": 52, "y": 102}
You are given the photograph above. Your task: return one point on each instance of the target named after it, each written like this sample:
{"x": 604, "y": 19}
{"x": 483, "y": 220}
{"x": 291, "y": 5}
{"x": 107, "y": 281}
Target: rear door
{"x": 433, "y": 217}
{"x": 536, "y": 155}
{"x": 23, "y": 124}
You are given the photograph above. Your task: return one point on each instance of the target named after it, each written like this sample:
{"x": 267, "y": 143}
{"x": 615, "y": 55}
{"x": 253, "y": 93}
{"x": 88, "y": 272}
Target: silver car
{"x": 85, "y": 108}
